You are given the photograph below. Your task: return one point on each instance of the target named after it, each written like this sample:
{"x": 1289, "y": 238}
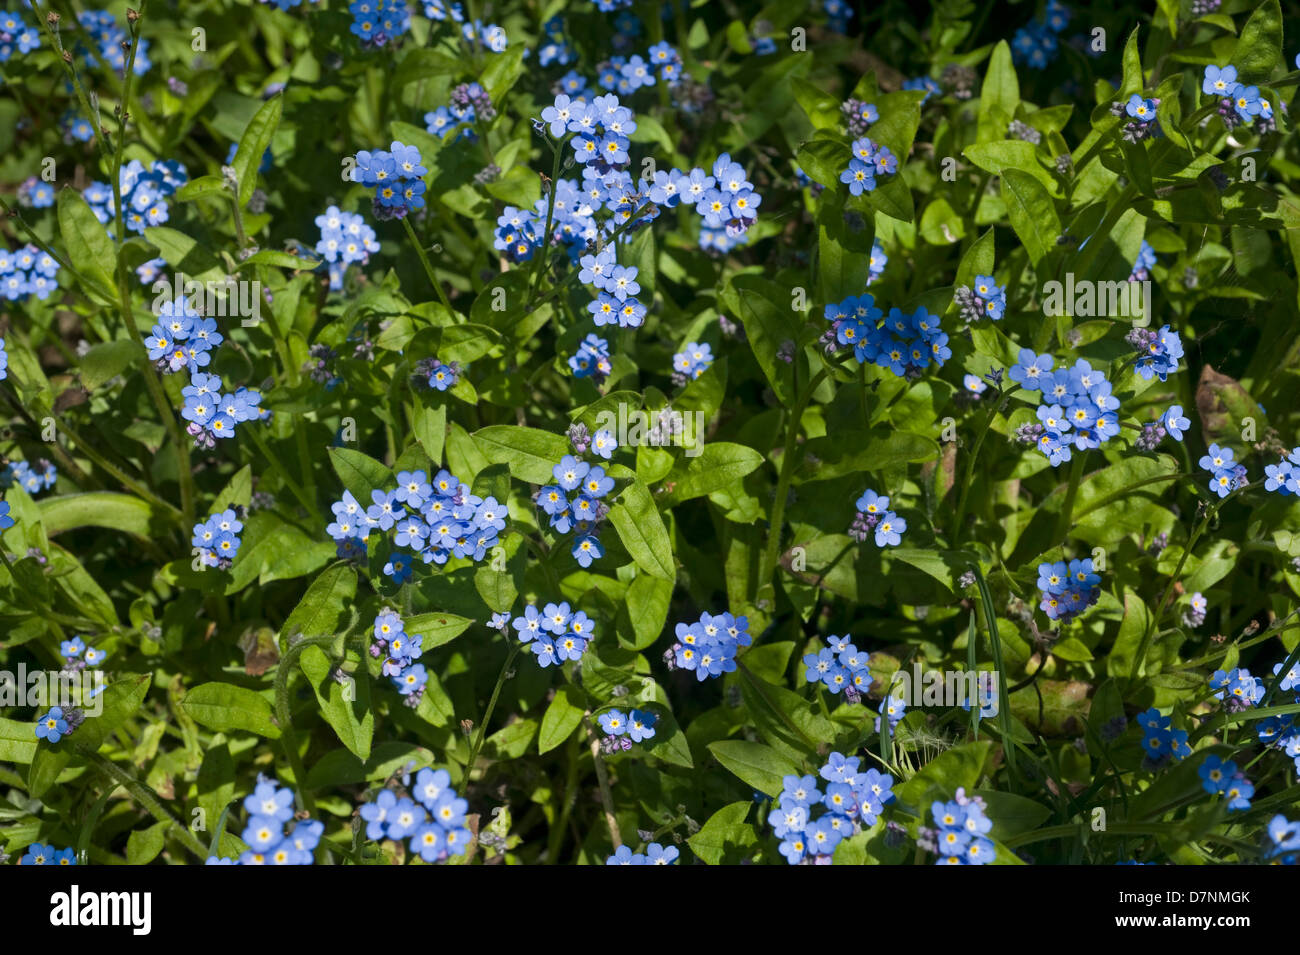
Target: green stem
{"x": 146, "y": 797}
{"x": 968, "y": 474}
{"x": 1140, "y": 657}
{"x": 428, "y": 267}
{"x": 995, "y": 645}
{"x": 788, "y": 456}
{"x": 487, "y": 715}
{"x": 544, "y": 254}
{"x": 602, "y": 782}
{"x": 284, "y": 716}
{"x": 1067, "y": 509}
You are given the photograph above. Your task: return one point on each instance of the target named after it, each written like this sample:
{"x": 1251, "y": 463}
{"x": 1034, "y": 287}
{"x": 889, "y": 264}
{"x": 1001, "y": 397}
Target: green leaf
{"x": 648, "y": 599}
{"x": 1031, "y": 212}
{"x": 436, "y": 629}
{"x": 225, "y": 707}
{"x": 201, "y": 187}
{"x": 719, "y": 465}
{"x": 999, "y": 95}
{"x": 726, "y": 837}
{"x": 324, "y": 606}
{"x": 858, "y": 452}
{"x": 90, "y": 250}
{"x": 1258, "y": 52}
{"x": 254, "y": 143}
{"x": 756, "y": 765}
{"x": 351, "y": 718}
{"x": 562, "y": 717}
{"x": 17, "y": 741}
{"x": 977, "y": 260}
{"x": 1136, "y": 621}
{"x": 642, "y": 531}
{"x": 765, "y": 310}
{"x": 121, "y": 512}
{"x": 143, "y": 845}
{"x": 531, "y": 453}
{"x": 107, "y": 360}
{"x": 360, "y": 473}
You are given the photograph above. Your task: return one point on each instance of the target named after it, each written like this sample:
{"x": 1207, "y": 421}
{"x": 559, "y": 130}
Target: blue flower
{"x": 1219, "y": 81}
{"x": 52, "y": 726}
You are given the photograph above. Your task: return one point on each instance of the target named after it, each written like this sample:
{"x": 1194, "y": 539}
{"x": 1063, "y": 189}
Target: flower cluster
{"x": 839, "y": 666}
{"x": 853, "y": 800}
{"x": 859, "y": 116}
{"x": 397, "y": 176}
{"x": 15, "y": 34}
{"x": 469, "y": 103}
{"x": 28, "y": 271}
{"x": 869, "y": 162}
{"x": 1171, "y": 422}
{"x": 986, "y": 298}
{"x": 838, "y": 14}
{"x": 1076, "y": 408}
{"x": 182, "y": 338}
{"x": 1143, "y": 264}
{"x": 35, "y": 193}
{"x": 54, "y": 725}
{"x": 1194, "y": 615}
{"x": 269, "y": 807}
{"x": 216, "y": 540}
{"x": 616, "y": 287}
{"x": 400, "y": 651}
{"x": 591, "y": 360}
{"x": 582, "y": 513}
{"x": 212, "y": 414}
{"x": 77, "y": 655}
{"x": 1067, "y": 589}
{"x": 556, "y": 634}
{"x": 624, "y": 729}
{"x": 709, "y": 646}
{"x": 40, "y": 853}
{"x": 1285, "y": 836}
{"x": 32, "y": 480}
{"x": 555, "y": 49}
{"x": 436, "y": 374}
{"x": 377, "y": 22}
{"x": 692, "y": 362}
{"x": 1035, "y": 45}
{"x": 1226, "y": 475}
{"x": 1142, "y": 122}
{"x": 1238, "y": 103}
{"x": 922, "y": 84}
{"x": 1221, "y": 777}
{"x": 960, "y": 833}
{"x": 437, "y": 520}
{"x": 344, "y": 238}
{"x": 904, "y": 344}
{"x": 655, "y": 854}
{"x": 433, "y": 822}
{"x": 1160, "y": 741}
{"x": 112, "y": 41}
{"x": 144, "y": 194}
{"x": 489, "y": 36}
{"x": 876, "y": 263}
{"x": 1284, "y": 477}
{"x": 874, "y": 517}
